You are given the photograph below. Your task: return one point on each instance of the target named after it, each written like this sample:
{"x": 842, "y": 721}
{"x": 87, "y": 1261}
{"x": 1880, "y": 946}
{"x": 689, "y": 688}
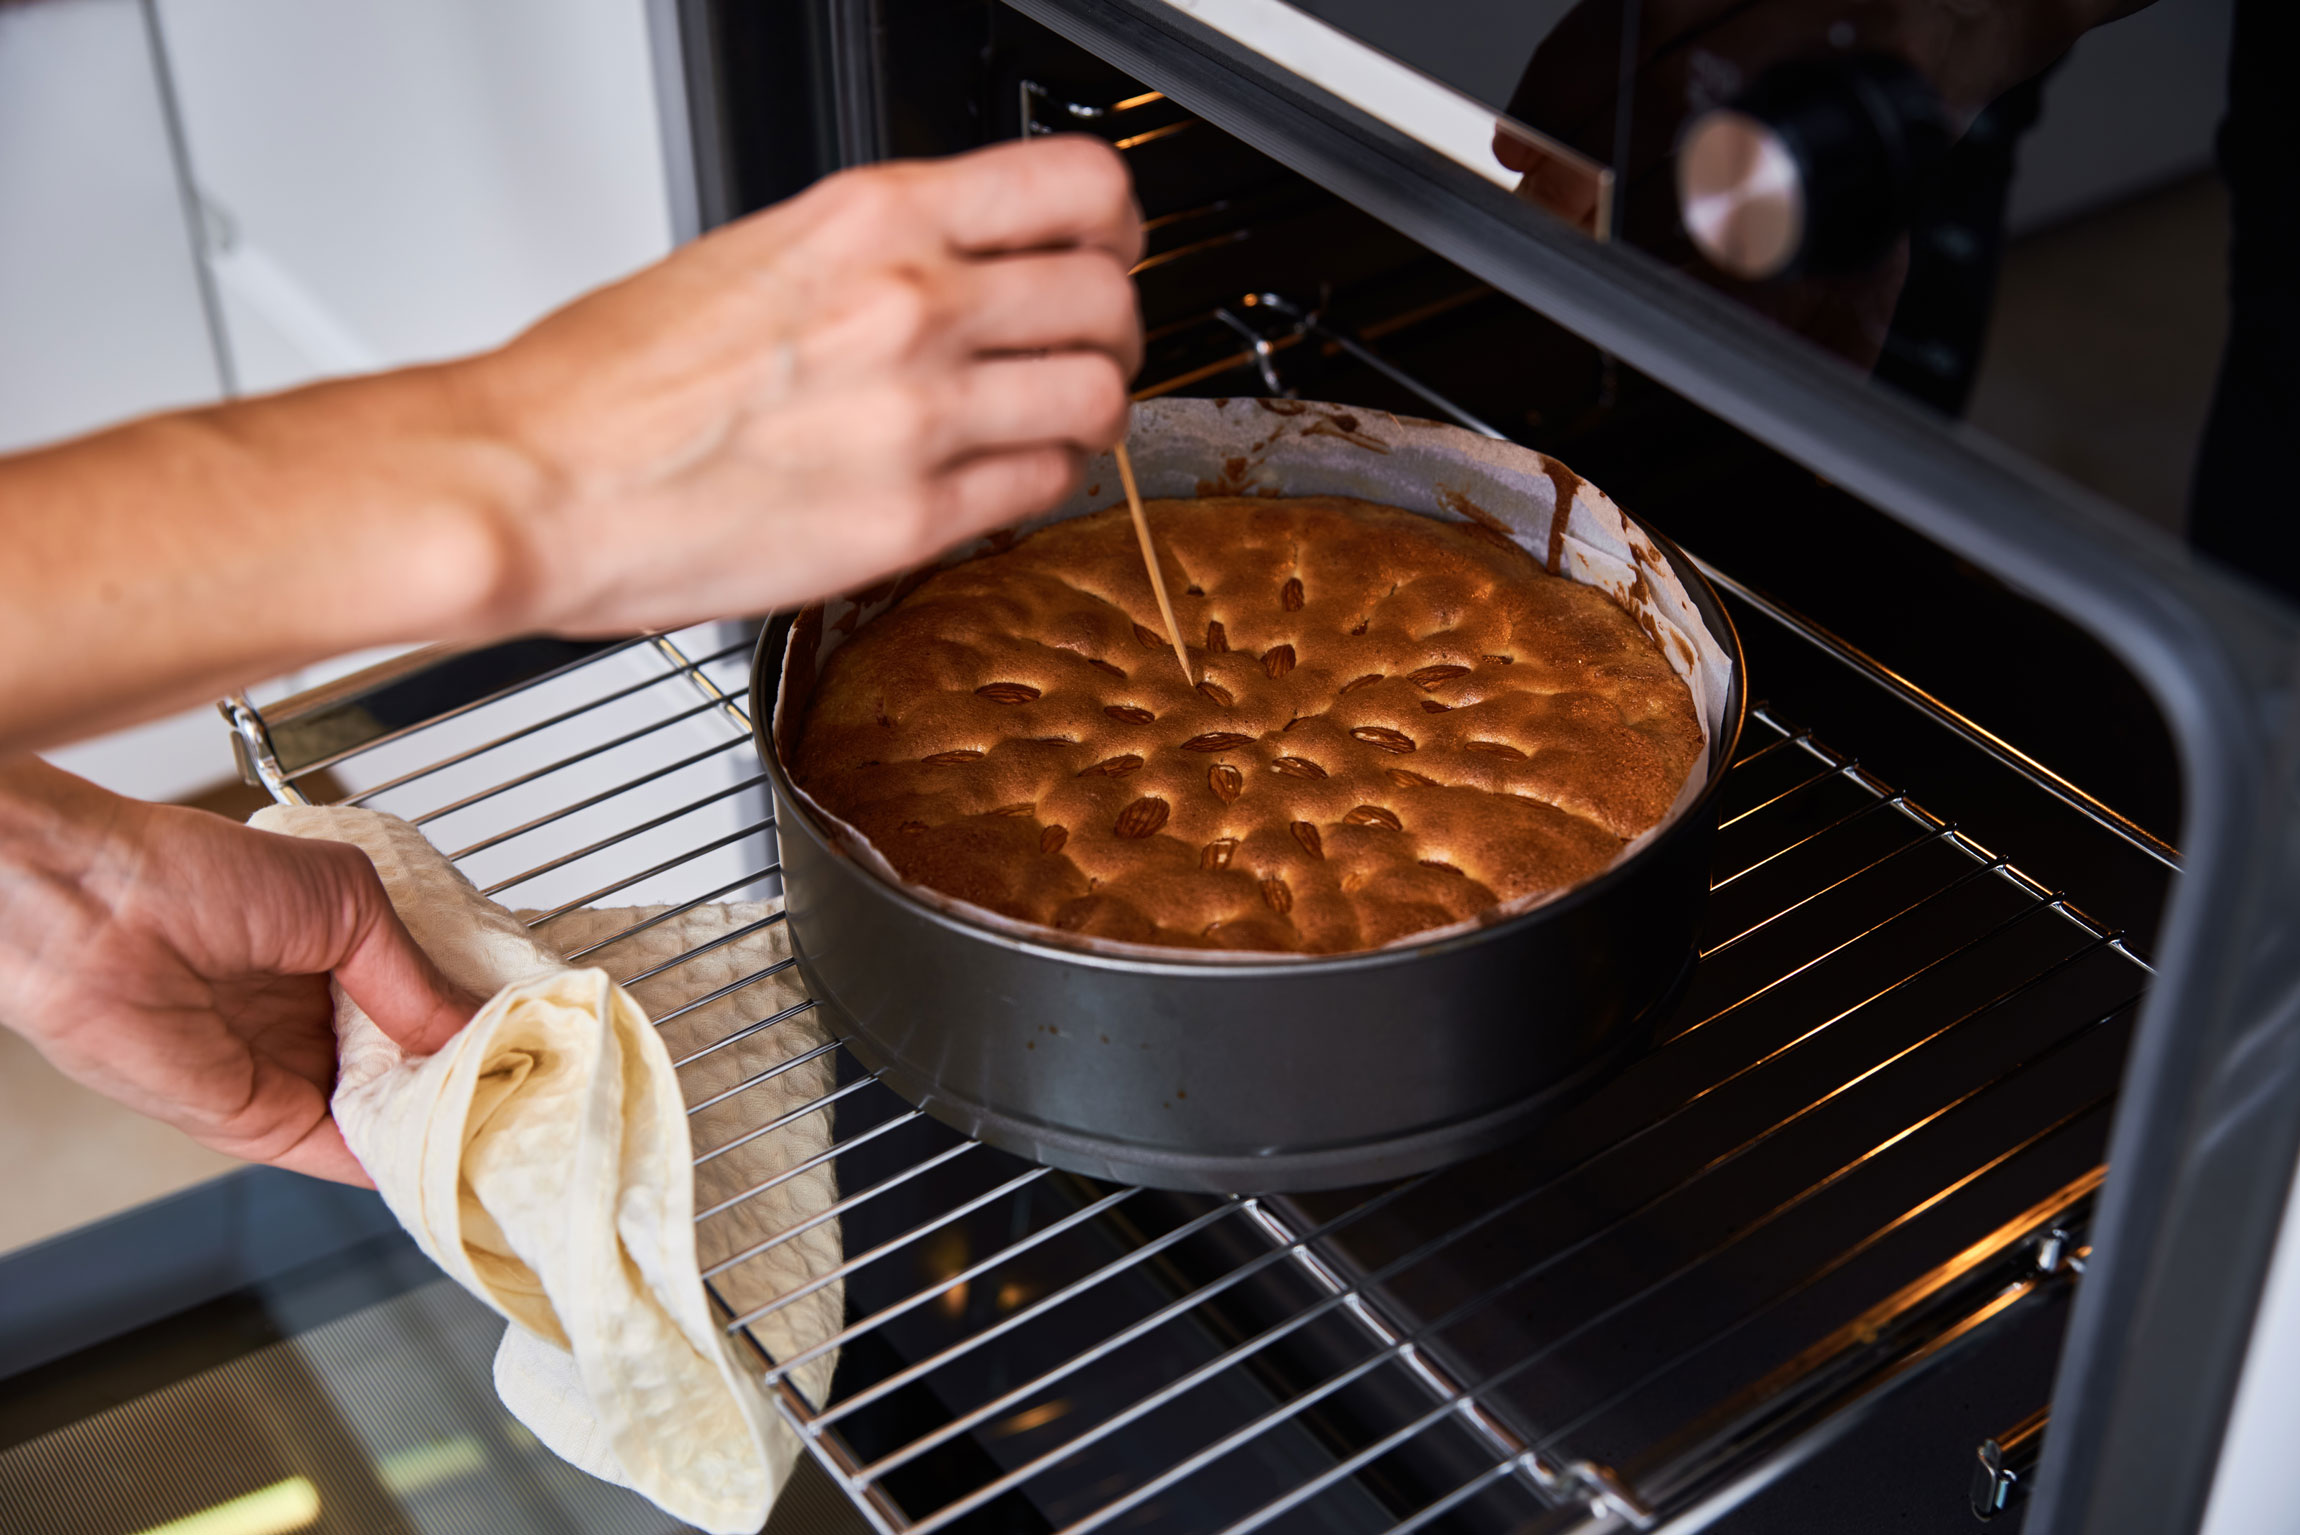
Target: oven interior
{"x": 1256, "y": 281}
{"x": 1787, "y": 1270}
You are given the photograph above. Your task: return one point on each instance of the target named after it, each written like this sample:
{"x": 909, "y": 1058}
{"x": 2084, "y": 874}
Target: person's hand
{"x": 179, "y": 963}
{"x": 898, "y": 359}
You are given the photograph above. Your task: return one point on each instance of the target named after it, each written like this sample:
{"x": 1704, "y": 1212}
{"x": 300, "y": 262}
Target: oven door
{"x": 265, "y": 1353}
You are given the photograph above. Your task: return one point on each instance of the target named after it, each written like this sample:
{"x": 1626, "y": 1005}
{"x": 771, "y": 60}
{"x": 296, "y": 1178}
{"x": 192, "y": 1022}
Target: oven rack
{"x": 930, "y": 1216}
{"x": 1027, "y": 1349}
{"x": 1245, "y": 335}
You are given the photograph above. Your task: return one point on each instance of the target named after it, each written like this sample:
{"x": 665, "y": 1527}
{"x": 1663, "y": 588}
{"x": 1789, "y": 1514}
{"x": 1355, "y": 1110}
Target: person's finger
{"x": 901, "y": 314}
{"x": 388, "y": 974}
{"x": 1077, "y": 399}
{"x": 284, "y": 1122}
{"x": 1002, "y": 488}
{"x": 906, "y": 518}
{"x": 323, "y": 1154}
{"x": 1049, "y": 301}
{"x": 1036, "y": 194}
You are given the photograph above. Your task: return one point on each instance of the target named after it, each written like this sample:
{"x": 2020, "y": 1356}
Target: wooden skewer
{"x": 1150, "y": 561}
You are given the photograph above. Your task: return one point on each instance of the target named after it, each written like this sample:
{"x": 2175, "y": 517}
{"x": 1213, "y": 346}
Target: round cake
{"x": 1398, "y": 723}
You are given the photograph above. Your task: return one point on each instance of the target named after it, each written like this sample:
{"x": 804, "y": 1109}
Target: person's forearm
{"x": 173, "y": 559}
{"x": 800, "y": 402}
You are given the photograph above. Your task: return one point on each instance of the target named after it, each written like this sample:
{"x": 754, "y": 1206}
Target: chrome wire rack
{"x": 1872, "y": 1118}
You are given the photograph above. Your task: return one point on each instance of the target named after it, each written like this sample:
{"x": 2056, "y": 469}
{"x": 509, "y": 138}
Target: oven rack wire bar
{"x": 507, "y": 738}
{"x": 2101, "y": 814}
{"x": 1294, "y": 1250}
{"x": 1521, "y": 1471}
{"x": 288, "y": 711}
{"x": 748, "y": 1031}
{"x": 544, "y": 770}
{"x": 716, "y": 892}
{"x": 782, "y": 1068}
{"x": 1439, "y": 1381}
{"x": 1044, "y": 1305}
{"x": 594, "y": 897}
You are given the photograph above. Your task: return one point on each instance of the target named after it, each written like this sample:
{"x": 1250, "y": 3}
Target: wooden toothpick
{"x": 1150, "y": 561}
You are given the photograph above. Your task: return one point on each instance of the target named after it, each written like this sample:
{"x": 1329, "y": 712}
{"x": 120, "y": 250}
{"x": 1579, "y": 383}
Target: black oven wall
{"x": 1228, "y": 224}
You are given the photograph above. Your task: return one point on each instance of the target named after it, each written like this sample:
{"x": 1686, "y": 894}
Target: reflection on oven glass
{"x": 2005, "y": 212}
{"x": 383, "y": 1419}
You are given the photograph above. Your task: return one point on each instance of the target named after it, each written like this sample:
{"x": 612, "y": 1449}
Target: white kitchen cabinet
{"x": 380, "y": 182}
{"x": 100, "y": 313}
{"x": 393, "y": 181}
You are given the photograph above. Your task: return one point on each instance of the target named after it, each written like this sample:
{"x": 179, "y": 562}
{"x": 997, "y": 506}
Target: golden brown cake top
{"x": 1399, "y": 723}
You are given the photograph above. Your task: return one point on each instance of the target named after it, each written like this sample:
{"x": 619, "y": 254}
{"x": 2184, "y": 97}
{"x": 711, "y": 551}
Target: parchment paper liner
{"x": 1295, "y": 448}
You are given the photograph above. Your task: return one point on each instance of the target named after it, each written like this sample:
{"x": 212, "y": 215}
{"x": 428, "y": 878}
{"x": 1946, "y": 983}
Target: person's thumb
{"x": 394, "y": 982}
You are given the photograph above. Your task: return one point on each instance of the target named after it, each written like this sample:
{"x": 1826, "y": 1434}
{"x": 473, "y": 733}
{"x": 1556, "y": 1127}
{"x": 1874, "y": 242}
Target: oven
{"x": 1949, "y": 1182}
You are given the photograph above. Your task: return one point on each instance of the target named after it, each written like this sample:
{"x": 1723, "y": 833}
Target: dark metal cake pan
{"x": 1296, "y": 1073}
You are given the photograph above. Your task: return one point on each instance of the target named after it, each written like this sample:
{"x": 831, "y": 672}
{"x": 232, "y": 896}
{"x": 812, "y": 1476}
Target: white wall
{"x": 400, "y": 180}
{"x": 99, "y": 309}
{"x": 2255, "y": 1491}
{"x": 386, "y": 181}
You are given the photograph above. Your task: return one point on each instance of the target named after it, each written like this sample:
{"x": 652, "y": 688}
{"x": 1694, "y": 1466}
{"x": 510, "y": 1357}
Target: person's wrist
{"x": 478, "y": 548}
{"x": 41, "y": 803}
{"x": 419, "y": 502}
{"x": 527, "y": 501}
{"x": 57, "y": 832}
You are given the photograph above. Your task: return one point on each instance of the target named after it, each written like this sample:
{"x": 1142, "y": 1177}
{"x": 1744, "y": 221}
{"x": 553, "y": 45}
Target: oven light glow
{"x": 1035, "y": 1417}
{"x": 275, "y": 1510}
{"x": 405, "y": 1473}
{"x": 1152, "y": 135}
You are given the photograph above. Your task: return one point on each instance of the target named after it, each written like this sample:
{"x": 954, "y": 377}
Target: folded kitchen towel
{"x": 544, "y": 1158}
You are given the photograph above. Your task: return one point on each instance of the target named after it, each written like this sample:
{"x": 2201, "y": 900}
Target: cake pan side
{"x": 1314, "y": 1074}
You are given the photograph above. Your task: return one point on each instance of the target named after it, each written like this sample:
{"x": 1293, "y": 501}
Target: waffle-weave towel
{"x": 545, "y": 1158}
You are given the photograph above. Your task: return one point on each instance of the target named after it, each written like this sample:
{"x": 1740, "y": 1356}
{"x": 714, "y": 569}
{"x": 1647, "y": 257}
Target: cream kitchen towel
{"x": 544, "y": 1158}
{"x": 750, "y": 1055}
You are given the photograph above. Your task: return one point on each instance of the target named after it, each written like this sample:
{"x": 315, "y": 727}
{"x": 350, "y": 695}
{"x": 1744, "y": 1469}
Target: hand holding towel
{"x": 543, "y": 1158}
